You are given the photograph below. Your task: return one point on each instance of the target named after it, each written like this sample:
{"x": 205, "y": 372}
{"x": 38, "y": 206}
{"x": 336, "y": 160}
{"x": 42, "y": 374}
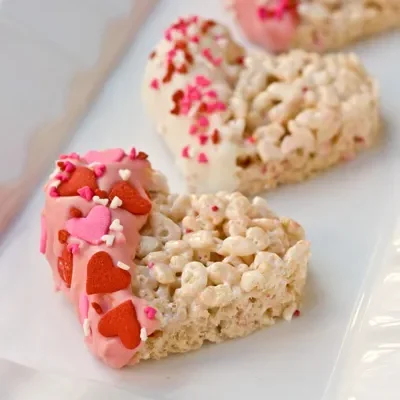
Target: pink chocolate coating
{"x": 274, "y": 32}
{"x": 56, "y": 216}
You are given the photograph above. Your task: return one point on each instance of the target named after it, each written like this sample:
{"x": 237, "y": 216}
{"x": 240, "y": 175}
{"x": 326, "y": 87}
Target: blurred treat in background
{"x": 55, "y": 57}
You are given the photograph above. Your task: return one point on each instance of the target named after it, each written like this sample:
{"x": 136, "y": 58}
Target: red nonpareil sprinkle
{"x": 177, "y": 99}
{"x": 61, "y": 165}
{"x": 215, "y": 137}
{"x": 75, "y": 212}
{"x": 201, "y": 80}
{"x": 53, "y": 192}
{"x": 97, "y": 307}
{"x": 296, "y": 313}
{"x": 359, "y": 139}
{"x": 154, "y": 84}
{"x": 240, "y": 60}
{"x": 207, "y": 25}
{"x": 185, "y": 152}
{"x": 195, "y": 39}
{"x": 101, "y": 193}
{"x": 203, "y": 121}
{"x": 63, "y": 236}
{"x": 202, "y": 158}
{"x": 170, "y": 72}
{"x": 203, "y": 139}
{"x": 212, "y": 94}
{"x": 214, "y": 208}
{"x": 150, "y": 265}
{"x": 188, "y": 231}
{"x": 193, "y": 129}
{"x": 150, "y": 312}
{"x": 251, "y": 139}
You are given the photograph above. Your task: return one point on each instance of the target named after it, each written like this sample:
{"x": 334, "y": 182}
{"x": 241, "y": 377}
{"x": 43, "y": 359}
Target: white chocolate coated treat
{"x": 249, "y": 122}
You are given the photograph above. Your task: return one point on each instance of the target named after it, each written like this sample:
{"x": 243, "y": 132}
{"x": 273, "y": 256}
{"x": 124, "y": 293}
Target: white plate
{"x": 349, "y": 214}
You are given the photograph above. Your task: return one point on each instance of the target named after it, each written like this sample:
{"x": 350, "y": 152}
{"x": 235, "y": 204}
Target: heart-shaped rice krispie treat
{"x": 317, "y": 25}
{"x": 249, "y": 122}
{"x": 151, "y": 273}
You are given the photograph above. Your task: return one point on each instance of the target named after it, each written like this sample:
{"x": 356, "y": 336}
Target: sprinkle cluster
{"x": 197, "y": 99}
{"x": 78, "y": 176}
{"x": 282, "y": 7}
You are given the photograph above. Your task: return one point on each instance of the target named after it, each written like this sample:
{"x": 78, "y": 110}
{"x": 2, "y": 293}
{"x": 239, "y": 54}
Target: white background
{"x": 349, "y": 214}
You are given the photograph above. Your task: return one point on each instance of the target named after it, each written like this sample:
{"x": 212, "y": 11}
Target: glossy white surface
{"x": 340, "y": 348}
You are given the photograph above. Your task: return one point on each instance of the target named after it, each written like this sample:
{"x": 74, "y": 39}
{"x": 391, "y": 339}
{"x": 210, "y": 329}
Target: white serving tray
{"x": 346, "y": 343}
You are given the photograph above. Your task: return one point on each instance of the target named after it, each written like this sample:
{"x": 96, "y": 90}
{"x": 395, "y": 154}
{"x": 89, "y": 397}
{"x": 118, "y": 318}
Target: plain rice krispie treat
{"x": 317, "y": 25}
{"x": 150, "y": 273}
{"x": 217, "y": 267}
{"x": 249, "y": 122}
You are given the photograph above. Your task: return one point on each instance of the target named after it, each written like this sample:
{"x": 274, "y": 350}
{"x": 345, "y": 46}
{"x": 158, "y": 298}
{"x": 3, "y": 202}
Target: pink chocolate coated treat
{"x": 272, "y": 25}
{"x": 90, "y": 259}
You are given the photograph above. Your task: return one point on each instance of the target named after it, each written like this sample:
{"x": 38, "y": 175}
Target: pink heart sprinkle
{"x": 69, "y": 167}
{"x": 62, "y": 177}
{"x": 53, "y": 192}
{"x": 92, "y": 227}
{"x": 105, "y": 157}
{"x": 74, "y": 156}
{"x": 154, "y": 84}
{"x": 133, "y": 154}
{"x": 203, "y": 139}
{"x": 83, "y": 307}
{"x": 185, "y": 152}
{"x": 43, "y": 234}
{"x": 73, "y": 248}
{"x": 86, "y": 193}
{"x": 150, "y": 312}
{"x": 202, "y": 158}
{"x": 99, "y": 170}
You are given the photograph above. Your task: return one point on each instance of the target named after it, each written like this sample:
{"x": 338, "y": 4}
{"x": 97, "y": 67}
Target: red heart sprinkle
{"x": 132, "y": 201}
{"x": 81, "y": 177}
{"x": 63, "y": 236}
{"x": 122, "y": 321}
{"x": 103, "y": 276}
{"x": 65, "y": 266}
{"x": 97, "y": 308}
{"x": 75, "y": 212}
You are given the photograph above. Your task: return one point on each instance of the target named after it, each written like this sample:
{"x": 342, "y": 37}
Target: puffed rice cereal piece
{"x": 251, "y": 121}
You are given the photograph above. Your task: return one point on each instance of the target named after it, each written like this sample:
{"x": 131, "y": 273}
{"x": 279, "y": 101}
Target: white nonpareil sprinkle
{"x": 125, "y": 174}
{"x": 179, "y": 57}
{"x": 116, "y": 226}
{"x": 108, "y": 239}
{"x": 143, "y": 335}
{"x": 56, "y": 183}
{"x": 86, "y": 327}
{"x": 116, "y": 202}
{"x": 94, "y": 164}
{"x": 122, "y": 265}
{"x": 100, "y": 201}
